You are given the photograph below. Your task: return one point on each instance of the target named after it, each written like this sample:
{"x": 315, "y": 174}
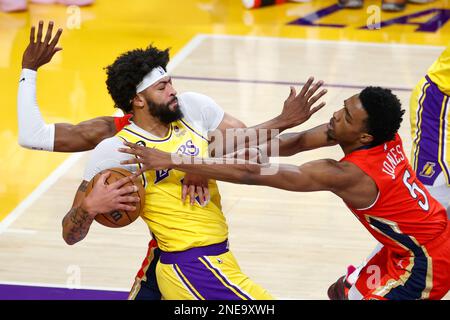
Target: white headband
{"x": 152, "y": 77}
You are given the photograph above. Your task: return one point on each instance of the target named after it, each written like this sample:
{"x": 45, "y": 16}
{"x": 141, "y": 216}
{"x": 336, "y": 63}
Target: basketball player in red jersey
{"x": 35, "y": 134}
{"x": 376, "y": 182}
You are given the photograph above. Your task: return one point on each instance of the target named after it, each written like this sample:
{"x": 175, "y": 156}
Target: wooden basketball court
{"x": 293, "y": 244}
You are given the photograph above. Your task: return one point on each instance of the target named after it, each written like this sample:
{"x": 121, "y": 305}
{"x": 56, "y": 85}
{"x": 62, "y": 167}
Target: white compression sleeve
{"x": 34, "y": 133}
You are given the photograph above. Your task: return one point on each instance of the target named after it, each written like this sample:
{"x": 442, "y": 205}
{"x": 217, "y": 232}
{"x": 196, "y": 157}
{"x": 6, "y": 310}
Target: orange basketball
{"x": 121, "y": 218}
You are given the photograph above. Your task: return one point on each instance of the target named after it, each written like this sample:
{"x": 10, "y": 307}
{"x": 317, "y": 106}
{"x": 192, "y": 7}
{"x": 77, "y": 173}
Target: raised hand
{"x": 38, "y": 51}
{"x": 297, "y": 108}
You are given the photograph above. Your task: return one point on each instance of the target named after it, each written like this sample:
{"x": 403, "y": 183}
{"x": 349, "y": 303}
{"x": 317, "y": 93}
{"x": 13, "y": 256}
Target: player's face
{"x": 349, "y": 123}
{"x": 162, "y": 101}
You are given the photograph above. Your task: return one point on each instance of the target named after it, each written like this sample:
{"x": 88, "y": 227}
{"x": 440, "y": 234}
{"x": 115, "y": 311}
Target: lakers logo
{"x": 428, "y": 170}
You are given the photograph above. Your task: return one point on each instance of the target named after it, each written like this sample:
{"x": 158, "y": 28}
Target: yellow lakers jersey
{"x": 177, "y": 226}
{"x": 439, "y": 72}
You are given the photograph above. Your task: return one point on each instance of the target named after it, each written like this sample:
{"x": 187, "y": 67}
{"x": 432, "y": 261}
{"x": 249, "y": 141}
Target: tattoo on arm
{"x": 77, "y": 223}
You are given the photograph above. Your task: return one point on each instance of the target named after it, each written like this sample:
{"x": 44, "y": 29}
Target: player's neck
{"x": 151, "y": 124}
{"x": 349, "y": 148}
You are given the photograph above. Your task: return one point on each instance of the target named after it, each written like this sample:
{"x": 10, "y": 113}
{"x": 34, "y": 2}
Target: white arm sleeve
{"x": 34, "y": 133}
{"x": 201, "y": 111}
{"x": 106, "y": 156}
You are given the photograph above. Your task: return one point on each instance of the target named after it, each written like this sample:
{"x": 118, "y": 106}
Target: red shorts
{"x": 423, "y": 274}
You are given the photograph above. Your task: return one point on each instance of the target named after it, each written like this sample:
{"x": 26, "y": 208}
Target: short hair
{"x": 384, "y": 113}
{"x": 128, "y": 70}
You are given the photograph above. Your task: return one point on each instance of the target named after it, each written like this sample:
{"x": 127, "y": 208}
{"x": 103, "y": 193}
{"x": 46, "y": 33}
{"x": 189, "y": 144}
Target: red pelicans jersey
{"x": 411, "y": 225}
{"x": 404, "y": 215}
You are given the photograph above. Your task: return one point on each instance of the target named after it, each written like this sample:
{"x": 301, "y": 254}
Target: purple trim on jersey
{"x": 193, "y": 253}
{"x": 148, "y": 139}
{"x": 24, "y": 292}
{"x": 428, "y": 144}
{"x": 443, "y": 137}
{"x": 206, "y": 283}
{"x": 193, "y": 130}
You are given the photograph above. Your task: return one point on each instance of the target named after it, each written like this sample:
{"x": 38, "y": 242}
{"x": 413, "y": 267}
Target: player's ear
{"x": 366, "y": 138}
{"x": 138, "y": 101}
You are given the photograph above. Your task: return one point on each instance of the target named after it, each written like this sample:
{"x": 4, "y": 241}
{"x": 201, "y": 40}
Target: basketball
{"x": 121, "y": 218}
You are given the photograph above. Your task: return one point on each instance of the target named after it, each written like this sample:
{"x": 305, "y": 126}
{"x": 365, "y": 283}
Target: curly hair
{"x": 384, "y": 113}
{"x": 128, "y": 70}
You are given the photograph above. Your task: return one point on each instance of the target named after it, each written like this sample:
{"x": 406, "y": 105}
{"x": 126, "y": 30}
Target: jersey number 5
{"x": 413, "y": 189}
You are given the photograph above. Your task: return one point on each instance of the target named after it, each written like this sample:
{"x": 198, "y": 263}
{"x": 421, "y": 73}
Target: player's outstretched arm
{"x": 34, "y": 133}
{"x": 288, "y": 144}
{"x": 313, "y": 176}
{"x": 344, "y": 179}
{"x": 83, "y": 136}
{"x": 297, "y": 109}
{"x": 102, "y": 199}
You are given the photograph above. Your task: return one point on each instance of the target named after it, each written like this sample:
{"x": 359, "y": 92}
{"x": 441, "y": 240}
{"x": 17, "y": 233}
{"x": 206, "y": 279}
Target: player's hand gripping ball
{"x": 119, "y": 218}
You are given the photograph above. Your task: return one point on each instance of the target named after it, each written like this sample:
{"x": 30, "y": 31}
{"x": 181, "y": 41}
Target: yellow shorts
{"x": 205, "y": 277}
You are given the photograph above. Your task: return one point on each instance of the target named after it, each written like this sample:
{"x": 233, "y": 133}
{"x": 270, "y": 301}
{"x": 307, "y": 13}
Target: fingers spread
{"x": 56, "y": 38}
{"x": 313, "y": 90}
{"x": 128, "y": 199}
{"x": 117, "y": 184}
{"x": 33, "y": 30}
{"x": 126, "y": 207}
{"x": 138, "y": 172}
{"x": 132, "y": 161}
{"x": 184, "y": 191}
{"x": 206, "y": 194}
{"x": 39, "y": 34}
{"x": 192, "y": 194}
{"x": 315, "y": 109}
{"x": 306, "y": 86}
{"x": 103, "y": 177}
{"x": 292, "y": 93}
{"x": 48, "y": 36}
{"x": 132, "y": 151}
{"x": 317, "y": 97}
{"x": 127, "y": 190}
{"x": 200, "y": 196}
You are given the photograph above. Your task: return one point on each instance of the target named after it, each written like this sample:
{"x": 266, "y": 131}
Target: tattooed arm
{"x": 77, "y": 221}
{"x": 102, "y": 199}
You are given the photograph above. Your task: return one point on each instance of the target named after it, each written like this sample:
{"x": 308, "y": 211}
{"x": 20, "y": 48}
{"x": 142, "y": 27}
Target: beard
{"x": 163, "y": 113}
{"x": 330, "y": 136}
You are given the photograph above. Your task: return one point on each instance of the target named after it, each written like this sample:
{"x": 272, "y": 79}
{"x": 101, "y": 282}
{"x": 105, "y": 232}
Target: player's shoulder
{"x": 122, "y": 121}
{"x": 109, "y": 144}
{"x": 347, "y": 170}
{"x": 193, "y": 95}
{"x": 191, "y": 99}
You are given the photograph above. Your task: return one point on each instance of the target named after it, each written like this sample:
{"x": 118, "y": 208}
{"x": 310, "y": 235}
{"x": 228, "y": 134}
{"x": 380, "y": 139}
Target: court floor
{"x": 294, "y": 244}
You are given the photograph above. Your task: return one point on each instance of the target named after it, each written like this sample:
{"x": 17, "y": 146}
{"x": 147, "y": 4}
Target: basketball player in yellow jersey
{"x": 430, "y": 129}
{"x": 195, "y": 262}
